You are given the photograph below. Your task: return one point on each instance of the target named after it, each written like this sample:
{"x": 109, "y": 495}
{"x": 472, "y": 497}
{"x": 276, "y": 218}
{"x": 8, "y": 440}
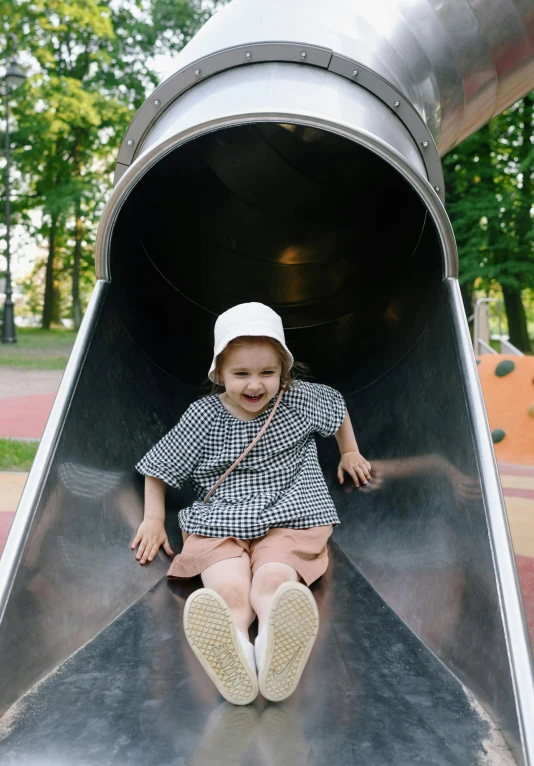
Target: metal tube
{"x": 458, "y": 64}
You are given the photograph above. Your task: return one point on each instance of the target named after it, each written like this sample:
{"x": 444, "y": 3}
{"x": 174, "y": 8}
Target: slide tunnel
{"x": 293, "y": 158}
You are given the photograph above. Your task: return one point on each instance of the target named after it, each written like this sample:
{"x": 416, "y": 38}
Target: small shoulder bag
{"x": 250, "y": 446}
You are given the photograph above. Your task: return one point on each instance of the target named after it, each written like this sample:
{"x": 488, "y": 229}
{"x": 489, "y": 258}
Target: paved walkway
{"x": 17, "y": 381}
{"x": 26, "y": 397}
{"x": 24, "y": 417}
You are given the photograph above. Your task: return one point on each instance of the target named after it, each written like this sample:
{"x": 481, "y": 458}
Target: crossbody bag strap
{"x": 250, "y": 446}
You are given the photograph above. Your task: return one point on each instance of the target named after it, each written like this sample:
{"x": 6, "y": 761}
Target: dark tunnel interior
{"x": 320, "y": 228}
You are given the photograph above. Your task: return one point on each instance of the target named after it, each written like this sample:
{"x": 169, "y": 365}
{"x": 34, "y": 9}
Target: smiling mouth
{"x": 253, "y": 399}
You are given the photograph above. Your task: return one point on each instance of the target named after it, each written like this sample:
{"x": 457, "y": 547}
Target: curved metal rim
{"x": 271, "y": 52}
{"x": 12, "y": 554}
{"x": 515, "y": 626}
{"x": 135, "y": 172}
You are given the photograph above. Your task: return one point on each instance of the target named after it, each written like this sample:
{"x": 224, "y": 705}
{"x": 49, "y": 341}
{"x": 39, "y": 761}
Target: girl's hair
{"x": 289, "y": 373}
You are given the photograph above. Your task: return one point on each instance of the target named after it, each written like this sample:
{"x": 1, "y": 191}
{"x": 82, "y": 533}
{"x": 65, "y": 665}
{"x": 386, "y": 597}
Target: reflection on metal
{"x": 311, "y": 183}
{"x": 371, "y": 695}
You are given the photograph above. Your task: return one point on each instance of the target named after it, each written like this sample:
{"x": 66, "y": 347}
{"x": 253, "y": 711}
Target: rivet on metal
{"x": 424, "y": 144}
{"x": 157, "y": 102}
{"x": 396, "y": 104}
{"x": 437, "y": 188}
{"x": 354, "y": 72}
{"x": 130, "y": 142}
{"x": 303, "y": 55}
{"x": 197, "y": 72}
{"x": 248, "y": 55}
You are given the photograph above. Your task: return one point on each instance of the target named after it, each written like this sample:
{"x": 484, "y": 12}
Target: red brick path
{"x": 24, "y": 417}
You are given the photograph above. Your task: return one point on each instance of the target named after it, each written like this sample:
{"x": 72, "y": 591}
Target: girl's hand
{"x": 466, "y": 489}
{"x": 150, "y": 535}
{"x": 358, "y": 468}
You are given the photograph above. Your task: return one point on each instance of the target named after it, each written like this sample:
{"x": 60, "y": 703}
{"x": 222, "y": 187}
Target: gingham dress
{"x": 278, "y": 484}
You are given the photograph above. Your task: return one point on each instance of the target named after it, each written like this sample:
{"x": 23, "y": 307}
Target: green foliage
{"x": 490, "y": 201}
{"x": 91, "y": 69}
{"x": 17, "y": 455}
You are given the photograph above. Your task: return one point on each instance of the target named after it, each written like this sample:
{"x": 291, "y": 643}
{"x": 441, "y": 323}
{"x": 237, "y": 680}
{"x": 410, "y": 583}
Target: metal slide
{"x": 293, "y": 158}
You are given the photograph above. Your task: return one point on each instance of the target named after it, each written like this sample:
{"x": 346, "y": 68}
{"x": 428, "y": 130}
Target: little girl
{"x": 265, "y": 526}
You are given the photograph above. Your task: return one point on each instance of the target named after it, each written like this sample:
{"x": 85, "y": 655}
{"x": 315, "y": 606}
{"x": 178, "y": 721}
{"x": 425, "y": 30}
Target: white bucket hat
{"x": 247, "y": 319}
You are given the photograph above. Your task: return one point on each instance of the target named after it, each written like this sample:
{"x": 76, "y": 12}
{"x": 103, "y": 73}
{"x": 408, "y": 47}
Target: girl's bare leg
{"x": 216, "y": 622}
{"x": 231, "y": 579}
{"x": 265, "y": 583}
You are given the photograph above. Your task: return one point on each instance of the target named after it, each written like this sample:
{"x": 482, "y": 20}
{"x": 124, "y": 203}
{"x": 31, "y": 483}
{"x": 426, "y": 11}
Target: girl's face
{"x": 251, "y": 376}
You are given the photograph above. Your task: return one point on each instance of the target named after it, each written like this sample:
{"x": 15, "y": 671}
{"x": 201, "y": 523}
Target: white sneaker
{"x": 223, "y": 651}
{"x": 260, "y": 648}
{"x": 247, "y": 648}
{"x": 284, "y": 643}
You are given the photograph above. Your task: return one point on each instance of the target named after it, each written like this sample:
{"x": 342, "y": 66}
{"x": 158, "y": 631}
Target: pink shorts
{"x": 304, "y": 549}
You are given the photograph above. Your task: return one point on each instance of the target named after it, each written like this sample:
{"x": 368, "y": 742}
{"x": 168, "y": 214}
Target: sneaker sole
{"x": 212, "y": 635}
{"x": 292, "y": 629}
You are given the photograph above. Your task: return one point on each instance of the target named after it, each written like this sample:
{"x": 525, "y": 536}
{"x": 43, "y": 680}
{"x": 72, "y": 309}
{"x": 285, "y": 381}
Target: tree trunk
{"x": 76, "y": 307}
{"x": 48, "y": 307}
{"x": 517, "y": 320}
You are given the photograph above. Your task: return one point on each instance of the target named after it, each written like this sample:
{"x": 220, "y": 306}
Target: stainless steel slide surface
{"x": 309, "y": 180}
{"x": 372, "y": 694}
{"x": 108, "y": 633}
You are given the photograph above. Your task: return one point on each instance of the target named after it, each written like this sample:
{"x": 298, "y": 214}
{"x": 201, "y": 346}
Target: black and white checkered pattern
{"x": 278, "y": 484}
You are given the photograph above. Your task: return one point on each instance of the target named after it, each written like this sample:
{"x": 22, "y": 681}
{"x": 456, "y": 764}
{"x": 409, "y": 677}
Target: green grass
{"x": 38, "y": 349}
{"x": 16, "y": 456}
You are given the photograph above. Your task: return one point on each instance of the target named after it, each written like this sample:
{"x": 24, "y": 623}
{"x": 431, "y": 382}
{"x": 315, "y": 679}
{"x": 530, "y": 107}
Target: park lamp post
{"x": 13, "y": 77}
